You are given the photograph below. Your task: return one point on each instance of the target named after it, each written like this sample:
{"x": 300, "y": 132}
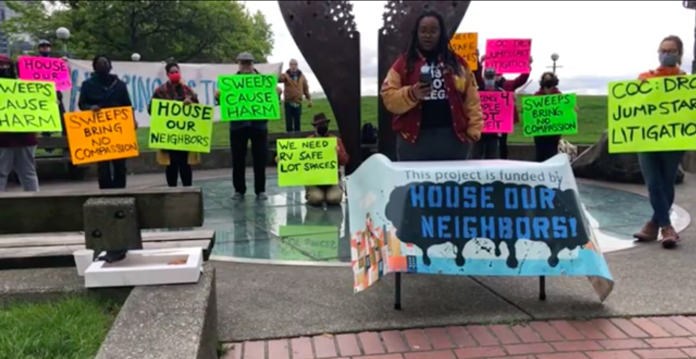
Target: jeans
{"x": 112, "y": 174}
{"x": 293, "y": 114}
{"x": 178, "y": 165}
{"x": 502, "y": 144}
{"x": 239, "y": 140}
{"x": 486, "y": 148}
{"x": 660, "y": 172}
{"x": 21, "y": 160}
{"x": 546, "y": 147}
{"x": 433, "y": 144}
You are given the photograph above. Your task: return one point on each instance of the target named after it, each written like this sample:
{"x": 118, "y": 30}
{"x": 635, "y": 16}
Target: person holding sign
{"x": 243, "y": 132}
{"x": 506, "y": 85}
{"x": 104, "y": 90}
{"x": 17, "y": 148}
{"x": 487, "y": 147}
{"x": 547, "y": 146}
{"x": 433, "y": 95}
{"x": 659, "y": 169}
{"x": 333, "y": 195}
{"x": 178, "y": 162}
{"x": 44, "y": 48}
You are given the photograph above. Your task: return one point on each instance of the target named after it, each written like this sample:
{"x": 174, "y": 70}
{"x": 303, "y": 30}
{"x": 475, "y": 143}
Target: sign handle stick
{"x": 397, "y": 291}
{"x": 542, "y": 288}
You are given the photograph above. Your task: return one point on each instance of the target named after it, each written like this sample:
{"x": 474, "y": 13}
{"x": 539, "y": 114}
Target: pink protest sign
{"x": 45, "y": 69}
{"x": 498, "y": 111}
{"x": 509, "y": 56}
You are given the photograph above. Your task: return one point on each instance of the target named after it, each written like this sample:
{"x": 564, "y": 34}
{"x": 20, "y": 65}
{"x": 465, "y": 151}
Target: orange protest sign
{"x": 465, "y": 45}
{"x": 108, "y": 134}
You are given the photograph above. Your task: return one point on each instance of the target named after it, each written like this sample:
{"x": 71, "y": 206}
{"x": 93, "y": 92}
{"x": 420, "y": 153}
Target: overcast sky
{"x": 598, "y": 41}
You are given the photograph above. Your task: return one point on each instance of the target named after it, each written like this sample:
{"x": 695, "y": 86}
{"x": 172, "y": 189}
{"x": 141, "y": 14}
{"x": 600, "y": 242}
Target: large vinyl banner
{"x": 142, "y": 78}
{"x": 472, "y": 218}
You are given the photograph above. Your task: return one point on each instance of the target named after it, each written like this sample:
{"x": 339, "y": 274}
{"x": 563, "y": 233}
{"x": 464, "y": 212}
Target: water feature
{"x": 285, "y": 230}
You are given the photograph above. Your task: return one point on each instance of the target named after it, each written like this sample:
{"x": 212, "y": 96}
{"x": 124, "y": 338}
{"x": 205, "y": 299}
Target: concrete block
{"x": 46, "y": 284}
{"x": 166, "y": 322}
{"x": 111, "y": 224}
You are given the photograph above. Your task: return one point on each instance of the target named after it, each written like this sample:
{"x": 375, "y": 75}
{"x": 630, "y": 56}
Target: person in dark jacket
{"x": 243, "y": 132}
{"x": 104, "y": 90}
{"x": 547, "y": 146}
{"x": 487, "y": 147}
{"x": 44, "y": 47}
{"x": 17, "y": 148}
{"x": 508, "y": 86}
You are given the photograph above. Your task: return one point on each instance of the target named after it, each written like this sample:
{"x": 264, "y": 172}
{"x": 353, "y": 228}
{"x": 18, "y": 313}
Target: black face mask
{"x": 102, "y": 71}
{"x": 322, "y": 130}
{"x": 549, "y": 83}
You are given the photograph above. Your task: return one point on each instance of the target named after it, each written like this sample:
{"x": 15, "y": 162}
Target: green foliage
{"x": 68, "y": 328}
{"x": 188, "y": 31}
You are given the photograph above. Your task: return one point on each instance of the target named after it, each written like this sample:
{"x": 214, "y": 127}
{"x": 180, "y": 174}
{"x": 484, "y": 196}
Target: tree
{"x": 188, "y": 31}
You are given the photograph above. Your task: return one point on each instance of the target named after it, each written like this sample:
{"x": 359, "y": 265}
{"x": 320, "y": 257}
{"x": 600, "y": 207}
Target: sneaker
{"x": 261, "y": 196}
{"x": 237, "y": 196}
{"x": 648, "y": 233}
{"x": 670, "y": 237}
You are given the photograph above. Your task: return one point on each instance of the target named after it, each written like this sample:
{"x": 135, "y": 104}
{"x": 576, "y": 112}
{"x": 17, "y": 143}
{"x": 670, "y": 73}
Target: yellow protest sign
{"x": 652, "y": 116}
{"x": 28, "y": 106}
{"x": 465, "y": 45}
{"x": 307, "y": 161}
{"x": 175, "y": 126}
{"x": 105, "y": 135}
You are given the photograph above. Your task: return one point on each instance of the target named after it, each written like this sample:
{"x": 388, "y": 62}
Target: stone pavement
{"x": 262, "y": 301}
{"x": 634, "y": 338}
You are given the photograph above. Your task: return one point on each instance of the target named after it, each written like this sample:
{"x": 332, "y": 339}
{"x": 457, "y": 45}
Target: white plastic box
{"x": 147, "y": 267}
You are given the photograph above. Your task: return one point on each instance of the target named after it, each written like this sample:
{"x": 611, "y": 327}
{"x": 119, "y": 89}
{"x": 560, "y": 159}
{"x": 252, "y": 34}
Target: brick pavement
{"x": 631, "y": 338}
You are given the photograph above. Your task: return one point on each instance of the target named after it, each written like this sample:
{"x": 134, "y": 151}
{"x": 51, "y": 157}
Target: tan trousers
{"x": 316, "y": 195}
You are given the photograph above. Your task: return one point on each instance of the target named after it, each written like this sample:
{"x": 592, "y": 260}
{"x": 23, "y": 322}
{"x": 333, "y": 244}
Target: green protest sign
{"x": 175, "y": 126}
{"x": 28, "y": 106}
{"x": 308, "y": 243}
{"x": 549, "y": 115}
{"x": 652, "y": 116}
{"x": 248, "y": 97}
{"x": 307, "y": 161}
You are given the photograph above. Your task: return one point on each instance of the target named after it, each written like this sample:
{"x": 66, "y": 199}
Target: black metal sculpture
{"x": 326, "y": 34}
{"x": 399, "y": 18}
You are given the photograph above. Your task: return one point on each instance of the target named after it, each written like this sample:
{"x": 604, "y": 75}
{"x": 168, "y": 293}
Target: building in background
{"x": 7, "y": 47}
{"x": 5, "y": 14}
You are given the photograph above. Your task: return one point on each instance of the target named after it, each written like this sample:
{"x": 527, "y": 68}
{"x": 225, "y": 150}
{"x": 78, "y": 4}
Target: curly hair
{"x": 443, "y": 47}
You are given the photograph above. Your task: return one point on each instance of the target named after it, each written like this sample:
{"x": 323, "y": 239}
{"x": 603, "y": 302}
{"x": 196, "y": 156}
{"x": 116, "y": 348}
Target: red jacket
{"x": 462, "y": 91}
{"x": 341, "y": 151}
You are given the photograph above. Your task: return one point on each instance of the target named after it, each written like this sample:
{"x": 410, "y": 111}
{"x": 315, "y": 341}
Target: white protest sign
{"x": 142, "y": 78}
